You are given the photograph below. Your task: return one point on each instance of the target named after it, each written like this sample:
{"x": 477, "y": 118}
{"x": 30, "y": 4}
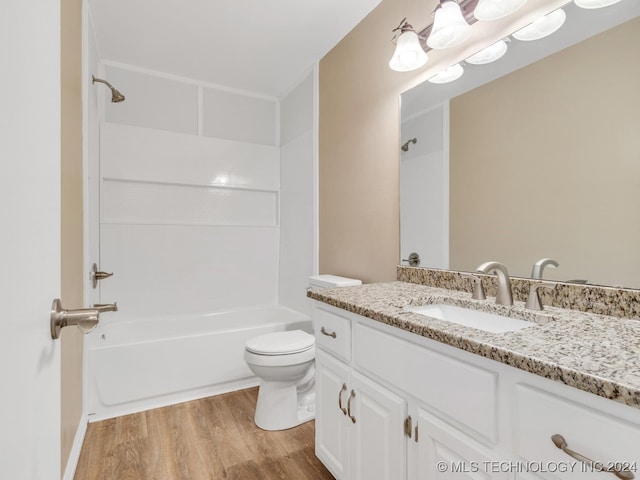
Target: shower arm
{"x": 99, "y": 80}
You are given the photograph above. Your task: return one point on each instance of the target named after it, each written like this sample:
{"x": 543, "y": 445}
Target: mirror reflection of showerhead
{"x": 405, "y": 146}
{"x": 116, "y": 96}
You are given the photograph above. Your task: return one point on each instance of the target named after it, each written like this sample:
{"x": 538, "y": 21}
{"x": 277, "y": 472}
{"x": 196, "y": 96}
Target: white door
{"x": 378, "y": 439}
{"x": 444, "y": 453}
{"x": 30, "y": 238}
{"x": 332, "y": 447}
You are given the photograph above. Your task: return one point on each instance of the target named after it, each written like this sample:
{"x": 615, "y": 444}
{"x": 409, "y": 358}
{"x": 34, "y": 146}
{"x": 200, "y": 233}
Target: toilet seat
{"x": 281, "y": 343}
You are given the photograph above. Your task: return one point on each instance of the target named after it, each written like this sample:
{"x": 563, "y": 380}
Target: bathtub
{"x": 148, "y": 363}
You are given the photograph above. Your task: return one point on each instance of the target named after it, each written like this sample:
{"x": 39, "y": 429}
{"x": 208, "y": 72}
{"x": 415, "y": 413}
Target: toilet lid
{"x": 279, "y": 343}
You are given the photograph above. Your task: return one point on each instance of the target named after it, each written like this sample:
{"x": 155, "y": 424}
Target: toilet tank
{"x": 330, "y": 281}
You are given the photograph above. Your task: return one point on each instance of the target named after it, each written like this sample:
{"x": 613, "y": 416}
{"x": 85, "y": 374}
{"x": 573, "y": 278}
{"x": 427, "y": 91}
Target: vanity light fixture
{"x": 449, "y": 26}
{"x": 489, "y": 54}
{"x": 494, "y": 9}
{"x": 543, "y": 27}
{"x": 409, "y": 54}
{"x": 452, "y": 73}
{"x": 594, "y": 3}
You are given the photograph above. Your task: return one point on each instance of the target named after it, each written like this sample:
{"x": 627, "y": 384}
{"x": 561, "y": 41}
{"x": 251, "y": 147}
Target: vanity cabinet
{"x": 445, "y": 453}
{"x": 359, "y": 424}
{"x": 394, "y": 405}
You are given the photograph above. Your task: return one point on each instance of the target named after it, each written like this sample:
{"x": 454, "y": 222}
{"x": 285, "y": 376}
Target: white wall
{"x": 190, "y": 194}
{"x": 297, "y": 220}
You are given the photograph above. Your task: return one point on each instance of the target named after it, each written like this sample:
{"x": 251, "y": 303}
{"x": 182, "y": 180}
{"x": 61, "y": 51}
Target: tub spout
{"x": 106, "y": 307}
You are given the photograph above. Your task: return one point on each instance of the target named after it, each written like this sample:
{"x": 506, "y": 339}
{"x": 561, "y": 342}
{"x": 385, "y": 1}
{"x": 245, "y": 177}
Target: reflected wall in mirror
{"x": 543, "y": 161}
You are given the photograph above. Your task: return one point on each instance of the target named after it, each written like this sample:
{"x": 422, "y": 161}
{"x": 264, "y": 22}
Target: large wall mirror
{"x": 534, "y": 156}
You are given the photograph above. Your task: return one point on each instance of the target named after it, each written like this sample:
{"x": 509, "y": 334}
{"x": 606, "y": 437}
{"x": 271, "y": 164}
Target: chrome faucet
{"x": 504, "y": 296}
{"x": 538, "y": 267}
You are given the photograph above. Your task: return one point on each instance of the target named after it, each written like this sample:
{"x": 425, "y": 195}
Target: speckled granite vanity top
{"x": 595, "y": 353}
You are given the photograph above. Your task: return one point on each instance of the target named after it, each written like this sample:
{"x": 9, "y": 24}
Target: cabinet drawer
{"x": 595, "y": 435}
{"x": 333, "y": 332}
{"x": 462, "y": 392}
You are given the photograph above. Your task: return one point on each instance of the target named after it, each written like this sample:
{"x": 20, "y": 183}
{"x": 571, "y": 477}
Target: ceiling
{"x": 253, "y": 45}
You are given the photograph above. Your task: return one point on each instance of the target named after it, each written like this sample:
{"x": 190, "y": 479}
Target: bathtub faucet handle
{"x": 106, "y": 307}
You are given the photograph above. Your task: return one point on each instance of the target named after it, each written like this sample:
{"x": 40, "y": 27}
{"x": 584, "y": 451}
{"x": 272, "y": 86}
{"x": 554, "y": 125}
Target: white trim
{"x": 89, "y": 18}
{"x": 74, "y": 454}
{"x": 87, "y": 29}
{"x": 86, "y": 22}
{"x": 445, "y": 180}
{"x": 192, "y": 81}
{"x": 316, "y": 168}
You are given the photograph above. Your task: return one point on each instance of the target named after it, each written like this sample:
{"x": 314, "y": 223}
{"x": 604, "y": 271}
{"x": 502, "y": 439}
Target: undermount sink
{"x": 488, "y": 322}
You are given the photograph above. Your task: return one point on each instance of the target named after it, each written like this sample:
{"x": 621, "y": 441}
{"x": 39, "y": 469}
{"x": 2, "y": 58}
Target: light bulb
{"x": 452, "y": 73}
{"x": 408, "y": 54}
{"x": 489, "y": 54}
{"x": 594, "y": 3}
{"x": 542, "y": 27}
{"x": 494, "y": 9}
{"x": 449, "y": 26}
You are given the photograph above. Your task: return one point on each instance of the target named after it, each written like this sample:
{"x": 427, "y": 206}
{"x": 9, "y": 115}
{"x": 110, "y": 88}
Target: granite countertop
{"x": 595, "y": 353}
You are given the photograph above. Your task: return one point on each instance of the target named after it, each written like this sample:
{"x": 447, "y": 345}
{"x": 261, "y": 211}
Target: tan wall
{"x": 72, "y": 234}
{"x": 545, "y": 163}
{"x": 359, "y": 135}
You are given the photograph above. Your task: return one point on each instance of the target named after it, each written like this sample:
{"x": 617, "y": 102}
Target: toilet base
{"x": 280, "y": 406}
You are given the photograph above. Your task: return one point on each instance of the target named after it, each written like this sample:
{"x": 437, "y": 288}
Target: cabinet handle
{"x": 353, "y": 394}
{"x": 328, "y": 334}
{"x": 343, "y": 389}
{"x": 408, "y": 426}
{"x": 559, "y": 441}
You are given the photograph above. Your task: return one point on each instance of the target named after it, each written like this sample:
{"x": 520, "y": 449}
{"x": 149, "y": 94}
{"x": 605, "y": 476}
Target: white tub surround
{"x": 153, "y": 362}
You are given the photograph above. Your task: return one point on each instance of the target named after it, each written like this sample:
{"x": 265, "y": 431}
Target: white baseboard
{"x": 76, "y": 448}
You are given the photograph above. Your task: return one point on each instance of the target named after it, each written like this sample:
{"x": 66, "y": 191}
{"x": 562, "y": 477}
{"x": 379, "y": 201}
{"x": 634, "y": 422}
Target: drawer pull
{"x": 328, "y": 334}
{"x": 559, "y": 441}
{"x": 343, "y": 389}
{"x": 353, "y": 394}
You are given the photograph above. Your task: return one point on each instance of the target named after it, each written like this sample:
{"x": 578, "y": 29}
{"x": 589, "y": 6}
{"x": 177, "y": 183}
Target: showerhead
{"x": 405, "y": 146}
{"x": 116, "y": 96}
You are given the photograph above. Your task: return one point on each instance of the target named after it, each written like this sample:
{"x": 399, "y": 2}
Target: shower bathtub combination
{"x": 139, "y": 364}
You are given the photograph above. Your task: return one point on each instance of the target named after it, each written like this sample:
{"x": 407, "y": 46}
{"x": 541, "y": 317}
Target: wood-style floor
{"x": 212, "y": 438}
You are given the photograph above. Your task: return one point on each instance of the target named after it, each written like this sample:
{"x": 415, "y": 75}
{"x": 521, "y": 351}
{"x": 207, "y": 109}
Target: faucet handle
{"x": 478, "y": 289}
{"x": 533, "y": 301}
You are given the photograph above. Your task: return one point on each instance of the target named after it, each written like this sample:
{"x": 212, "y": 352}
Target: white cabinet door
{"x": 447, "y": 454}
{"x": 377, "y": 439}
{"x": 332, "y": 425}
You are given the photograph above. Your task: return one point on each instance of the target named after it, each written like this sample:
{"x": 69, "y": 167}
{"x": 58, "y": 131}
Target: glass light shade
{"x": 452, "y": 73}
{"x": 449, "y": 26}
{"x": 489, "y": 54}
{"x": 409, "y": 54}
{"x": 594, "y": 3}
{"x": 542, "y": 27}
{"x": 494, "y": 9}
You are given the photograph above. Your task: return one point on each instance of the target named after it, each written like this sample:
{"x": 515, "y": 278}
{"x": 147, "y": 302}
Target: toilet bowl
{"x": 284, "y": 362}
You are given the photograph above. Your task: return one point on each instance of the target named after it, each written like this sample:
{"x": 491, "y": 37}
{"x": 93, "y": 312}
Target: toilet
{"x": 285, "y": 363}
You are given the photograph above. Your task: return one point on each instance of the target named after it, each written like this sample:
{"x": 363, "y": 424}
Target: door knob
{"x": 96, "y": 275}
{"x": 85, "y": 318}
